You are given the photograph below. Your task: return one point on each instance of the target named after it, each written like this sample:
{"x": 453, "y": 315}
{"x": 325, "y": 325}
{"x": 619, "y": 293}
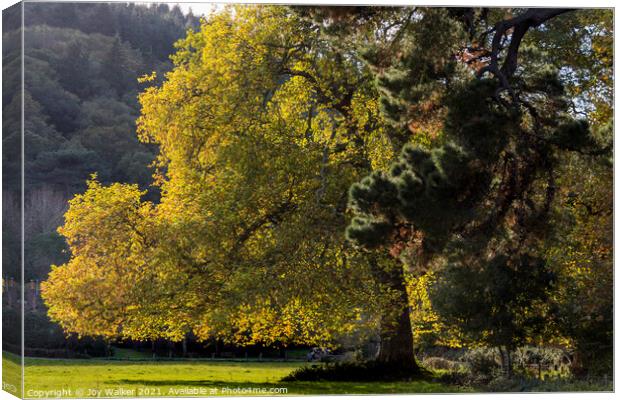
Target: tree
{"x": 116, "y": 68}
{"x": 501, "y": 303}
{"x": 100, "y": 273}
{"x": 40, "y": 81}
{"x": 581, "y": 253}
{"x": 74, "y": 70}
{"x": 580, "y": 249}
{"x": 484, "y": 188}
{"x": 580, "y": 45}
{"x": 261, "y": 128}
{"x": 65, "y": 51}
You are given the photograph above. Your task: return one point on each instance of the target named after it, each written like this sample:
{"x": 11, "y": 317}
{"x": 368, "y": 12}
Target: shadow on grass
{"x": 322, "y": 387}
{"x": 178, "y": 382}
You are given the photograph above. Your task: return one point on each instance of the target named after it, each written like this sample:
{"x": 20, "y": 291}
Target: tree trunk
{"x": 504, "y": 360}
{"x": 396, "y": 346}
{"x": 577, "y": 366}
{"x": 509, "y": 359}
{"x": 397, "y": 342}
{"x": 506, "y": 357}
{"x": 218, "y": 348}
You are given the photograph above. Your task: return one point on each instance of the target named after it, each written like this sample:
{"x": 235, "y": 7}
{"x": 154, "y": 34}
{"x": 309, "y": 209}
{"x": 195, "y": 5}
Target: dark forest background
{"x": 82, "y": 62}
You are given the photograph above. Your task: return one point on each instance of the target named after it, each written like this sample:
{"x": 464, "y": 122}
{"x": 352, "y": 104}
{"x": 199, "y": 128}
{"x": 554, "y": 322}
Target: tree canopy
{"x": 254, "y": 166}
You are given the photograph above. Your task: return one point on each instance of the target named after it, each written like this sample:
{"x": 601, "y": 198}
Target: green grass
{"x": 89, "y": 378}
{"x": 11, "y": 374}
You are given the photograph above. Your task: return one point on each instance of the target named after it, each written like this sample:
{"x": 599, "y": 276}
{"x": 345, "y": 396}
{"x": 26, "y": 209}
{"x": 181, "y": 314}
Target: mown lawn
{"x": 11, "y": 374}
{"x": 111, "y": 378}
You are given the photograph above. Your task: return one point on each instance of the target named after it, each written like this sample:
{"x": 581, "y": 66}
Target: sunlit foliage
{"x": 261, "y": 129}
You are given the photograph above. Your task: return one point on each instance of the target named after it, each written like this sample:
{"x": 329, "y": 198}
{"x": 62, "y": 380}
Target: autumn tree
{"x": 261, "y": 128}
{"x": 581, "y": 246}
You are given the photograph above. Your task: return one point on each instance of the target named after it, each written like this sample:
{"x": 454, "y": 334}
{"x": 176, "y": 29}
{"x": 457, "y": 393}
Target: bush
{"x": 439, "y": 363}
{"x": 449, "y": 353}
{"x": 460, "y": 378}
{"x": 41, "y": 333}
{"x": 355, "y": 371}
{"x": 54, "y": 353}
{"x": 11, "y": 332}
{"x": 478, "y": 367}
{"x": 536, "y": 360}
{"x": 482, "y": 362}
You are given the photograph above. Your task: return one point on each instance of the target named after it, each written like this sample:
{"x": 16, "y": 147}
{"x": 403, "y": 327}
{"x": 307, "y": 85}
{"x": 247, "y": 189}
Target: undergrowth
{"x": 357, "y": 372}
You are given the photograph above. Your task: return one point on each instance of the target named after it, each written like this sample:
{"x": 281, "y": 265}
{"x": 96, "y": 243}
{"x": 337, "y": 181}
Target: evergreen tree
{"x": 74, "y": 71}
{"x": 114, "y": 68}
{"x": 500, "y": 302}
{"x": 484, "y": 189}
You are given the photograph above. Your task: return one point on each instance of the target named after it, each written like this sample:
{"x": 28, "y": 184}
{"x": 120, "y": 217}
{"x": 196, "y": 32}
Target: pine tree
{"x": 114, "y": 68}
{"x": 482, "y": 186}
{"x": 74, "y": 70}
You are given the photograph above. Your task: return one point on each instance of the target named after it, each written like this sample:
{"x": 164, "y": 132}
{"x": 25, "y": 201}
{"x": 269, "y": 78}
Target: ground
{"x": 111, "y": 378}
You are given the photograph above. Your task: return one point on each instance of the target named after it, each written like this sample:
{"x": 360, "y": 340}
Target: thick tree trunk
{"x": 397, "y": 343}
{"x": 396, "y": 346}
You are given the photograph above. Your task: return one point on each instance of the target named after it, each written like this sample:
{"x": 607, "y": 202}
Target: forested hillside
{"x": 81, "y": 67}
{"x": 82, "y": 63}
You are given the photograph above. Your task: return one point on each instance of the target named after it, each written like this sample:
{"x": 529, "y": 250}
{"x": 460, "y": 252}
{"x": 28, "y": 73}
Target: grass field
{"x": 113, "y": 378}
{"x": 11, "y": 374}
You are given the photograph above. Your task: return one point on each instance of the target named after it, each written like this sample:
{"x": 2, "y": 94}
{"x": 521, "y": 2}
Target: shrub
{"x": 541, "y": 359}
{"x": 437, "y": 363}
{"x": 355, "y": 371}
{"x": 482, "y": 361}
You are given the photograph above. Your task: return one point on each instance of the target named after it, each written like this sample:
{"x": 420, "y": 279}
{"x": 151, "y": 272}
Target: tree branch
{"x": 274, "y": 216}
{"x": 516, "y": 27}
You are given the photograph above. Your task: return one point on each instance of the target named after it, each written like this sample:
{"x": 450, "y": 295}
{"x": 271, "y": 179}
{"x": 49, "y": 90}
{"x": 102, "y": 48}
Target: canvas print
{"x": 250, "y": 199}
